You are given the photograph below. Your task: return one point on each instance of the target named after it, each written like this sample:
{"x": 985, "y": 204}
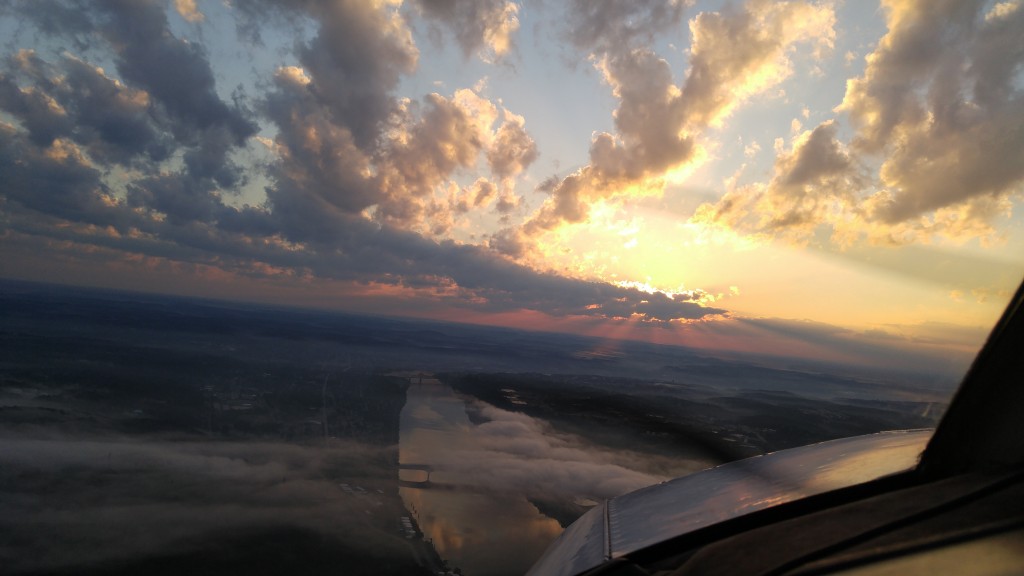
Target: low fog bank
{"x": 517, "y": 453}
{"x": 74, "y": 505}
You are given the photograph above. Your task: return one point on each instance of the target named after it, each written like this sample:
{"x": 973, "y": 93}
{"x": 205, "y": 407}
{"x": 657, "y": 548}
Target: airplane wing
{"x": 909, "y": 502}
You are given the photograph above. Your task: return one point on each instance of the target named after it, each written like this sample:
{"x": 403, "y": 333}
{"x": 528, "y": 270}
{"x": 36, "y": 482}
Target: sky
{"x": 834, "y": 180}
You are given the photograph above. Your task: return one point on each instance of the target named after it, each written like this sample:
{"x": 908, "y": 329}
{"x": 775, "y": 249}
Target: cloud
{"x": 604, "y": 27}
{"x": 481, "y": 193}
{"x": 450, "y": 134}
{"x": 506, "y": 204}
{"x": 108, "y": 501}
{"x": 517, "y": 453}
{"x": 75, "y": 100}
{"x": 926, "y": 349}
{"x": 188, "y": 10}
{"x": 938, "y": 98}
{"x": 357, "y": 58}
{"x": 43, "y": 117}
{"x": 933, "y": 353}
{"x": 57, "y": 181}
{"x": 651, "y": 120}
{"x": 358, "y": 181}
{"x": 484, "y": 26}
{"x": 944, "y": 108}
{"x": 738, "y": 53}
{"x": 940, "y": 104}
{"x": 172, "y": 99}
{"x": 345, "y": 140}
{"x": 320, "y": 160}
{"x": 178, "y": 75}
{"x": 181, "y": 200}
{"x": 734, "y": 55}
{"x": 344, "y": 246}
{"x": 513, "y": 149}
{"x": 810, "y": 180}
{"x": 351, "y": 66}
{"x": 402, "y": 178}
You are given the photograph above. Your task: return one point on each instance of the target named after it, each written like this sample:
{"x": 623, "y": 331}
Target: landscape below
{"x": 162, "y": 435}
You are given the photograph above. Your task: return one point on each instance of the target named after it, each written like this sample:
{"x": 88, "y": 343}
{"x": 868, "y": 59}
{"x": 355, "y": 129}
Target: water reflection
{"x": 476, "y": 526}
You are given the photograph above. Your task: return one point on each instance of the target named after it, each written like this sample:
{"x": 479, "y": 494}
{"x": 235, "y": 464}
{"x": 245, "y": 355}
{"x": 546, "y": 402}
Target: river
{"x": 483, "y": 528}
